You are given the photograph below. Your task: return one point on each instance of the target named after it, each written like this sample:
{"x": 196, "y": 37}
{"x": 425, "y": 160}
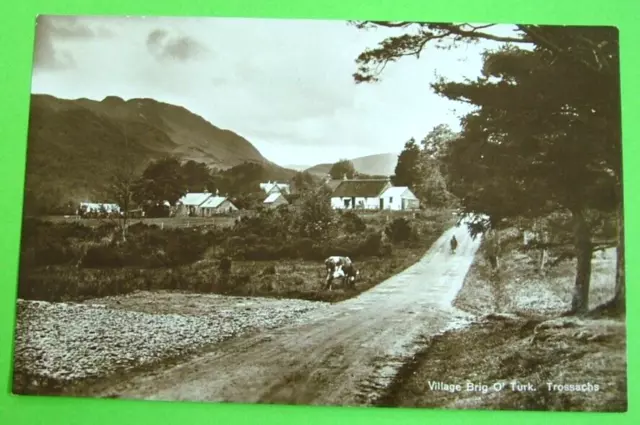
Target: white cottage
{"x": 400, "y": 198}
{"x": 98, "y": 209}
{"x": 189, "y": 204}
{"x": 274, "y": 200}
{"x": 360, "y": 194}
{"x": 275, "y": 187}
{"x": 216, "y": 205}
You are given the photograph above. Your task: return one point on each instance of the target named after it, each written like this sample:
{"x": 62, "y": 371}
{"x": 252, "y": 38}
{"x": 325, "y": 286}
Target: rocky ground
{"x": 62, "y": 343}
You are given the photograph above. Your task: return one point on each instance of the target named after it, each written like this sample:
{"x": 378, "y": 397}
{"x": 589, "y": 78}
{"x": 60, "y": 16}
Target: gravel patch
{"x": 66, "y": 342}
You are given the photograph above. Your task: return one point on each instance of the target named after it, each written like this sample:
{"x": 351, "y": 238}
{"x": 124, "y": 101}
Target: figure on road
{"x": 454, "y": 244}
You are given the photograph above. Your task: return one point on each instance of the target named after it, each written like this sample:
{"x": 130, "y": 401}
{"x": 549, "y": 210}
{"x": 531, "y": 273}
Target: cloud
{"x": 164, "y": 46}
{"x": 52, "y": 29}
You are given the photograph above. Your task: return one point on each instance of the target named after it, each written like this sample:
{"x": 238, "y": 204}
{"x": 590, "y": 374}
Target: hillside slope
{"x": 74, "y": 146}
{"x": 376, "y": 165}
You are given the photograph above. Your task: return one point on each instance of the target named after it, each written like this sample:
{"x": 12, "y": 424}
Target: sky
{"x": 285, "y": 85}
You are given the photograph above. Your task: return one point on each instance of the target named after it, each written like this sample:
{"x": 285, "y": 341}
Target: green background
{"x": 16, "y": 42}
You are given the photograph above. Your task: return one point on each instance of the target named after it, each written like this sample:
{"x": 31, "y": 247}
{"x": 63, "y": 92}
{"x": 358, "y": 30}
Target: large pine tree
{"x": 546, "y": 132}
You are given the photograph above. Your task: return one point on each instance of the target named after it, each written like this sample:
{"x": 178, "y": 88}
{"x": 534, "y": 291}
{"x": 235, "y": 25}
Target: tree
{"x": 407, "y": 172}
{"x": 302, "y": 181}
{"x": 121, "y": 190}
{"x": 436, "y": 143}
{"x": 547, "y": 130}
{"x": 538, "y": 154}
{"x": 161, "y": 181}
{"x": 197, "y": 176}
{"x": 316, "y": 218}
{"x": 432, "y": 186}
{"x": 342, "y": 168}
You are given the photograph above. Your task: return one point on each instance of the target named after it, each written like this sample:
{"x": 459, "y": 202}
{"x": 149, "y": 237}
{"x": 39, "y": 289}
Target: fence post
{"x": 162, "y": 225}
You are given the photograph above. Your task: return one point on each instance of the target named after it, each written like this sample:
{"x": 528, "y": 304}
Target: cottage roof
{"x": 399, "y": 192}
{"x": 272, "y": 198}
{"x": 333, "y": 184}
{"x": 268, "y": 187}
{"x": 213, "y": 202}
{"x": 360, "y": 188}
{"x": 194, "y": 199}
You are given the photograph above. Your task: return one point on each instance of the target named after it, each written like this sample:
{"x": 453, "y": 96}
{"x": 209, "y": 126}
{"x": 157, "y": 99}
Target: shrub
{"x": 399, "y": 230}
{"x": 225, "y": 265}
{"x": 352, "y": 222}
{"x": 372, "y": 245}
{"x": 305, "y": 249}
{"x": 261, "y": 252}
{"x": 103, "y": 256}
{"x": 184, "y": 248}
{"x": 241, "y": 279}
{"x": 269, "y": 270}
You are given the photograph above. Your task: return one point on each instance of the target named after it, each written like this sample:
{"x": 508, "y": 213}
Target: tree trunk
{"x": 582, "y": 245}
{"x": 617, "y": 305}
{"x": 619, "y": 299}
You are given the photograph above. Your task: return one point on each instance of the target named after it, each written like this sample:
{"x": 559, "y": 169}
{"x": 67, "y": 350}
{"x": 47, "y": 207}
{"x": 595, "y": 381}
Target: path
{"x": 344, "y": 356}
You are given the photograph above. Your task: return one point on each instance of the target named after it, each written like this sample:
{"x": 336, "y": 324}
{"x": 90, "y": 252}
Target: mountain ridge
{"x": 75, "y": 145}
{"x": 382, "y": 164}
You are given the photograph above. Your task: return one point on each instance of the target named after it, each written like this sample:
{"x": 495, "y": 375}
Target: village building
{"x": 94, "y": 209}
{"x": 275, "y": 187}
{"x": 216, "y": 205}
{"x": 400, "y": 198}
{"x": 189, "y": 204}
{"x": 275, "y": 200}
{"x": 203, "y": 204}
{"x": 361, "y": 194}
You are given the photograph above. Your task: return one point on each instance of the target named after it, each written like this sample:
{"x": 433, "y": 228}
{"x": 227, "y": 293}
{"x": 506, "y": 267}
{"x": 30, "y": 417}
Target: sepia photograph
{"x": 323, "y": 212}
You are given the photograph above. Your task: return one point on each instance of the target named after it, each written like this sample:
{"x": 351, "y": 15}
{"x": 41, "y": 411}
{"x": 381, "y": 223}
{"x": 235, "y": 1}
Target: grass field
{"x": 196, "y": 255}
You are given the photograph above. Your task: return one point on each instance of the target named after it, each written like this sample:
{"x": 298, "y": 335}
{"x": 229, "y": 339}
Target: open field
{"x": 525, "y": 342}
{"x": 117, "y": 334}
{"x": 69, "y": 262}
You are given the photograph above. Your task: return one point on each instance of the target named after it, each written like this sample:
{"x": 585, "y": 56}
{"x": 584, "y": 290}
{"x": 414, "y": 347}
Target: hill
{"x": 74, "y": 146}
{"x": 375, "y": 165}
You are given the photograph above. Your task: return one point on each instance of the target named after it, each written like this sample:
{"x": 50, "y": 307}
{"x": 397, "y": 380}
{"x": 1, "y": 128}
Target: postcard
{"x": 345, "y": 213}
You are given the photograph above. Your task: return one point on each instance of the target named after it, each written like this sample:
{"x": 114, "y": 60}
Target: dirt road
{"x": 343, "y": 356}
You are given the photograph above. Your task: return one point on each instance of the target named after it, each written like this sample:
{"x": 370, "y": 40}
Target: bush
{"x": 352, "y": 222}
{"x": 103, "y": 256}
{"x": 399, "y": 230}
{"x": 305, "y": 249}
{"x": 262, "y": 252}
{"x": 372, "y": 246}
{"x": 225, "y": 265}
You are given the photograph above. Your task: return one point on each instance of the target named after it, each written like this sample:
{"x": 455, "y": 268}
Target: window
{"x": 390, "y": 199}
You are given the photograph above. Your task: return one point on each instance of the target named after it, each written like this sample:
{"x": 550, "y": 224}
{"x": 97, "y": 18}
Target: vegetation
{"x": 423, "y": 168}
{"x": 270, "y": 253}
{"x": 526, "y": 345}
{"x": 341, "y": 169}
{"x": 545, "y": 136}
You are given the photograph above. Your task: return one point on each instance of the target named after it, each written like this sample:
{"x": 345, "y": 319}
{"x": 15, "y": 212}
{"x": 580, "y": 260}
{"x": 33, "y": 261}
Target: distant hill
{"x": 376, "y": 165}
{"x": 296, "y": 167}
{"x": 74, "y": 146}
